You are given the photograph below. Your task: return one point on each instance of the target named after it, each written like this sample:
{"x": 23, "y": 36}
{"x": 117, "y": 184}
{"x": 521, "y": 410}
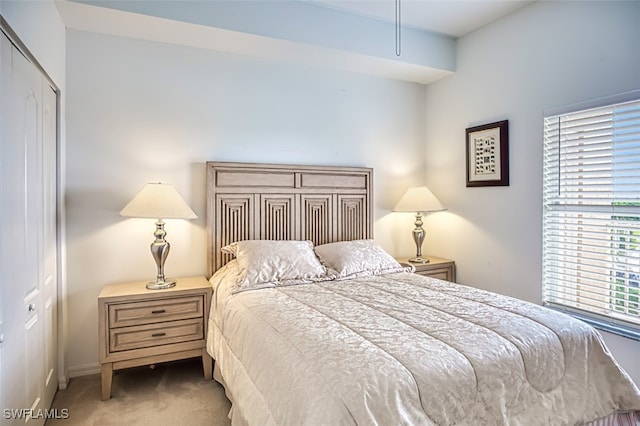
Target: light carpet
{"x": 172, "y": 393}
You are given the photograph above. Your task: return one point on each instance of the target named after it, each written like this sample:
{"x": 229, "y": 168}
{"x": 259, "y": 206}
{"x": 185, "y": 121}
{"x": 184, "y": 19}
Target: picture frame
{"x": 488, "y": 154}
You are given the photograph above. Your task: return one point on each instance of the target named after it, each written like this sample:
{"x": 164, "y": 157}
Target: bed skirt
{"x": 629, "y": 418}
{"x": 236, "y": 417}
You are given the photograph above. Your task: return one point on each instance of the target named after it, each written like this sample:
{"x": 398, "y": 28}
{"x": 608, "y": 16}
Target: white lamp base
{"x": 419, "y": 260}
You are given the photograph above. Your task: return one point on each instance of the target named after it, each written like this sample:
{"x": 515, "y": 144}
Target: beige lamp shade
{"x": 418, "y": 199}
{"x": 158, "y": 201}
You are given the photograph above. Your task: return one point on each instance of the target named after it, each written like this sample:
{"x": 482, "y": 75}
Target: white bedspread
{"x": 403, "y": 349}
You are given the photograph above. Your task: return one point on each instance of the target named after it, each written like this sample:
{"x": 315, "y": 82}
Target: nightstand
{"x": 443, "y": 269}
{"x": 138, "y": 326}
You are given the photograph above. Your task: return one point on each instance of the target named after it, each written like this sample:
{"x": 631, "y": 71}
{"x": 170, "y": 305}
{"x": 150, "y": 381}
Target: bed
{"x": 313, "y": 323}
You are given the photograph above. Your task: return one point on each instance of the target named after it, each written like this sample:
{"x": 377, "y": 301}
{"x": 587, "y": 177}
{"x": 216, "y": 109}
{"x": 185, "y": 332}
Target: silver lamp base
{"x": 418, "y": 238}
{"x": 160, "y": 250}
{"x": 160, "y": 285}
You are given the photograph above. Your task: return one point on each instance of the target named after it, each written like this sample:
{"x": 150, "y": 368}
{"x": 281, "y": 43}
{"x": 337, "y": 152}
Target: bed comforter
{"x": 404, "y": 349}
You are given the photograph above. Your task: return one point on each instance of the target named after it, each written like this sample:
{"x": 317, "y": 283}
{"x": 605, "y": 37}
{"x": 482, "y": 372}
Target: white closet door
{"x": 28, "y": 85}
{"x": 28, "y": 247}
{"x": 13, "y": 256}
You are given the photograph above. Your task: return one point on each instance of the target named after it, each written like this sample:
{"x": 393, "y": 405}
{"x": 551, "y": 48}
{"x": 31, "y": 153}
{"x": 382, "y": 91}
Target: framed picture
{"x": 488, "y": 154}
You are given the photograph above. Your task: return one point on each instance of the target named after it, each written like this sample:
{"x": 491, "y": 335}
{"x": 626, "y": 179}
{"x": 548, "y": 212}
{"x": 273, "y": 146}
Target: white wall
{"x": 141, "y": 111}
{"x": 546, "y": 55}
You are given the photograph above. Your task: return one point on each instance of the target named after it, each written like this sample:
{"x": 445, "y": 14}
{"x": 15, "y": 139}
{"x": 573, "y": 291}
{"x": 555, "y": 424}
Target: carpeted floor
{"x": 170, "y": 394}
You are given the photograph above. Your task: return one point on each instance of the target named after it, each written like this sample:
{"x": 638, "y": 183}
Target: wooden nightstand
{"x": 443, "y": 269}
{"x": 138, "y": 326}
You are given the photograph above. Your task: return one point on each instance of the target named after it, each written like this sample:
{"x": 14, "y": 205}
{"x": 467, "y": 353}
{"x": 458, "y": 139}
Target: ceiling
{"x": 349, "y": 35}
{"x": 451, "y": 17}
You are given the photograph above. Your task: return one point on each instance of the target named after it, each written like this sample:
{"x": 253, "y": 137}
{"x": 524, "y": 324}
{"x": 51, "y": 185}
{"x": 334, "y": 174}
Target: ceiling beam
{"x": 287, "y": 31}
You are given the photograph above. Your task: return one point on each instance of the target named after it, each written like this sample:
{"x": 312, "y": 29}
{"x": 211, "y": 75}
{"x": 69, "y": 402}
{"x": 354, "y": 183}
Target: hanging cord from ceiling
{"x": 398, "y": 34}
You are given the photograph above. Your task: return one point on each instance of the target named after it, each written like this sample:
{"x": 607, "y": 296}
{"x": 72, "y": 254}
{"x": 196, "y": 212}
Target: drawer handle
{"x": 158, "y": 311}
{"x": 158, "y": 334}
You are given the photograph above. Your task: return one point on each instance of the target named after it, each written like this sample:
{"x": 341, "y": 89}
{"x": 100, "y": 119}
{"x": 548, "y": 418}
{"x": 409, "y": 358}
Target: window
{"x": 591, "y": 214}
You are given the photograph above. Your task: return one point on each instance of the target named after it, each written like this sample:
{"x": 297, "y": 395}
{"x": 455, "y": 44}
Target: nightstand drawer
{"x": 441, "y": 273}
{"x": 147, "y": 312}
{"x": 144, "y": 336}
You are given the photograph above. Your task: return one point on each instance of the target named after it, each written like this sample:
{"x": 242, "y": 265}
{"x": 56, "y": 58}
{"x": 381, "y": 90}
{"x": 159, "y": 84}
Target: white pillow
{"x": 357, "y": 258}
{"x": 265, "y": 263}
{"x": 230, "y": 249}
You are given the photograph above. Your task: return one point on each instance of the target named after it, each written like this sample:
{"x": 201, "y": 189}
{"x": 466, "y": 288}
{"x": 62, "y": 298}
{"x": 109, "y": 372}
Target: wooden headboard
{"x": 250, "y": 201}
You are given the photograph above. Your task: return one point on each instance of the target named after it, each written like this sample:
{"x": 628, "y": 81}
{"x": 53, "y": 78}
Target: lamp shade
{"x": 158, "y": 201}
{"x": 418, "y": 199}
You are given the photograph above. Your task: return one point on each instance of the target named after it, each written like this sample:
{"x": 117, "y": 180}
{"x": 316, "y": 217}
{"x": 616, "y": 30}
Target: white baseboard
{"x": 84, "y": 370}
{"x": 63, "y": 380}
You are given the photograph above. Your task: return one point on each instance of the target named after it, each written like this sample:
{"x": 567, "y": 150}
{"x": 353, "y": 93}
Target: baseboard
{"x": 84, "y": 370}
{"x": 63, "y": 380}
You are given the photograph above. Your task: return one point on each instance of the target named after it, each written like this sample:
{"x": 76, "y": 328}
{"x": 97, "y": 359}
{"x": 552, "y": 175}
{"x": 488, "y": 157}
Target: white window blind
{"x": 591, "y": 215}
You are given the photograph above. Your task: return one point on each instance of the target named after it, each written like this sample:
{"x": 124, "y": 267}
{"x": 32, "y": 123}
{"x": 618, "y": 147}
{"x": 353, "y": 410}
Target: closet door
{"x": 27, "y": 219}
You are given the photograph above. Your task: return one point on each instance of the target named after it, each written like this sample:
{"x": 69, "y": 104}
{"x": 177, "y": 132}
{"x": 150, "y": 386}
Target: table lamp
{"x": 418, "y": 200}
{"x": 159, "y": 201}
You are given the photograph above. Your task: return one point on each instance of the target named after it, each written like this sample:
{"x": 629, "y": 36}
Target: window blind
{"x": 591, "y": 215}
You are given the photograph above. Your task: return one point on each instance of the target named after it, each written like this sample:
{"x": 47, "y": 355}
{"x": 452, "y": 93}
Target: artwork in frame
{"x": 488, "y": 154}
